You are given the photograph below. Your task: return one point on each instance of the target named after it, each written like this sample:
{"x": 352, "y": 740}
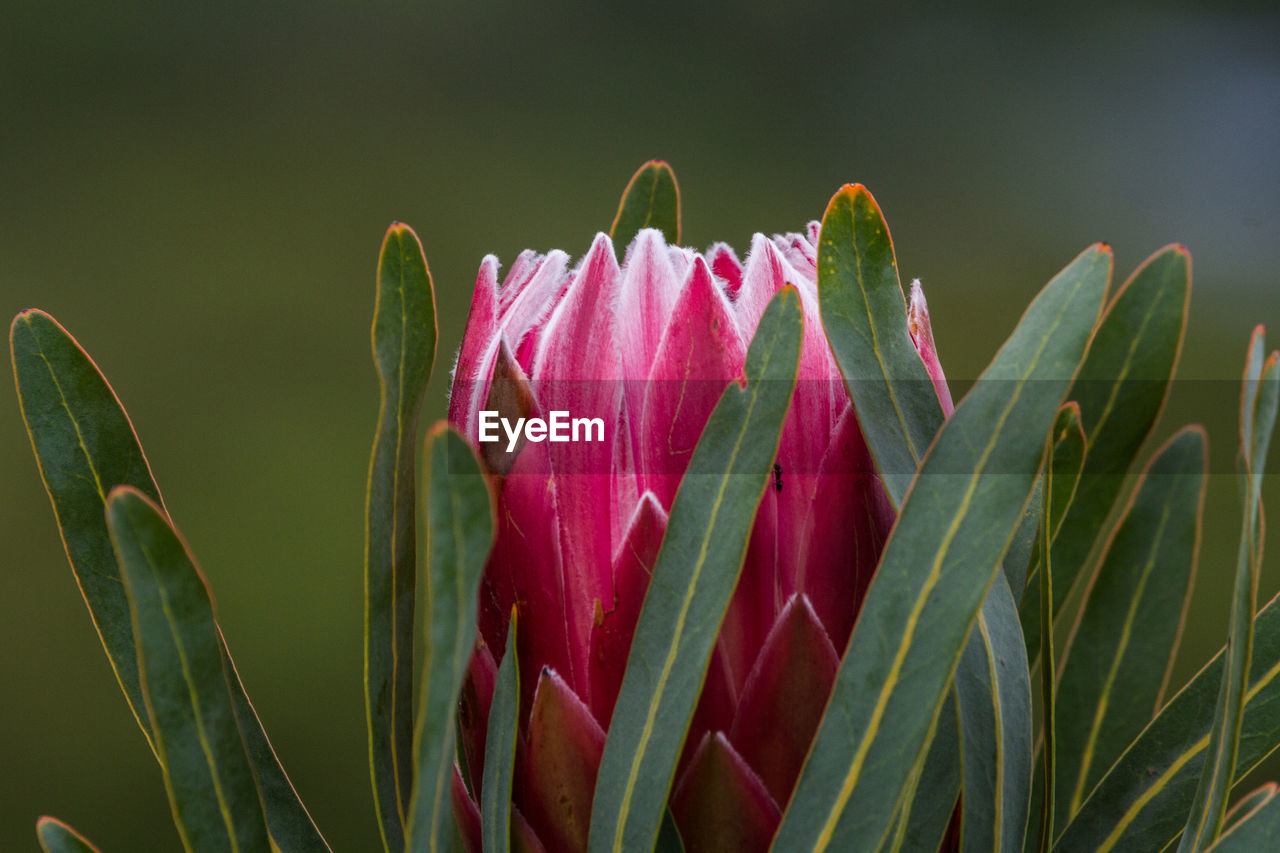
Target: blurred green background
{"x": 199, "y": 193}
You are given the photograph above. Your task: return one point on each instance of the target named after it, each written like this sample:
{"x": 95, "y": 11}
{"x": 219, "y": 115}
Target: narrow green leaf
{"x": 85, "y": 445}
{"x": 404, "y": 349}
{"x": 669, "y": 840}
{"x": 864, "y": 314}
{"x": 1064, "y": 456}
{"x": 954, "y": 529}
{"x": 1132, "y": 616}
{"x": 930, "y": 798}
{"x": 1142, "y": 801}
{"x": 1017, "y": 561}
{"x": 1121, "y": 389}
{"x": 865, "y": 317}
{"x": 993, "y": 687}
{"x": 500, "y": 750}
{"x": 695, "y": 574}
{"x": 459, "y": 520}
{"x": 56, "y": 837}
{"x": 651, "y": 200}
{"x": 207, "y": 773}
{"x": 1258, "y": 402}
{"x": 1256, "y": 826}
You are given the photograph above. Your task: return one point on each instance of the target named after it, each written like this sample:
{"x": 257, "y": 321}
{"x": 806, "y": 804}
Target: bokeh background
{"x": 198, "y": 193}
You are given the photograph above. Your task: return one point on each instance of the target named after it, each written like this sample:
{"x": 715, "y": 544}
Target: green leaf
{"x": 669, "y": 840}
{"x": 1064, "y": 456}
{"x": 1258, "y": 825}
{"x": 1017, "y": 560}
{"x": 931, "y": 796}
{"x": 207, "y": 773}
{"x": 1258, "y": 402}
{"x": 56, "y": 837}
{"x": 1142, "y": 801}
{"x": 1247, "y": 806}
{"x": 865, "y": 317}
{"x": 459, "y": 520}
{"x": 993, "y": 687}
{"x": 404, "y": 349}
{"x": 1121, "y": 389}
{"x": 864, "y": 314}
{"x": 651, "y": 200}
{"x": 1131, "y": 618}
{"x": 500, "y": 750}
{"x": 85, "y": 446}
{"x": 692, "y": 581}
{"x": 954, "y": 529}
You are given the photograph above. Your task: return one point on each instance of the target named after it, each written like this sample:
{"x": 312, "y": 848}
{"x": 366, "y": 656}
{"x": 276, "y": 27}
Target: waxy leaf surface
{"x": 404, "y": 348}
{"x": 85, "y": 446}
{"x": 693, "y": 579}
{"x": 955, "y": 527}
{"x": 207, "y": 772}
{"x": 459, "y": 520}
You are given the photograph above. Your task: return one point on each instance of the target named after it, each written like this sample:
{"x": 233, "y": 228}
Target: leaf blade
{"x": 651, "y": 200}
{"x": 57, "y": 837}
{"x": 1159, "y": 534}
{"x": 500, "y": 750}
{"x": 1064, "y": 457}
{"x": 211, "y": 784}
{"x": 1144, "y": 797}
{"x": 1259, "y": 400}
{"x": 922, "y": 580}
{"x": 691, "y": 584}
{"x": 864, "y": 315}
{"x": 1129, "y": 368}
{"x": 993, "y": 690}
{"x": 404, "y": 345}
{"x": 460, "y": 529}
{"x": 85, "y": 444}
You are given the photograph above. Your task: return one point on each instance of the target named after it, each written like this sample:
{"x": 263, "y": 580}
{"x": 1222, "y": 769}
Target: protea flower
{"x": 647, "y": 349}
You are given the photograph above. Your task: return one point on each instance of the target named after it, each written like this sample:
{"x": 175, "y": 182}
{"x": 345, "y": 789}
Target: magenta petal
{"x": 756, "y": 600}
{"x": 922, "y": 335}
{"x": 812, "y": 416}
{"x": 766, "y": 273}
{"x": 530, "y": 309}
{"x": 700, "y": 353}
{"x": 523, "y": 838}
{"x": 648, "y": 293}
{"x": 616, "y": 619}
{"x": 848, "y": 523}
{"x": 521, "y": 271}
{"x": 558, "y": 771}
{"x": 473, "y": 710}
{"x": 785, "y": 696}
{"x": 467, "y": 814}
{"x": 578, "y": 368}
{"x": 720, "y": 805}
{"x": 525, "y": 567}
{"x": 471, "y": 373}
{"x": 726, "y": 267}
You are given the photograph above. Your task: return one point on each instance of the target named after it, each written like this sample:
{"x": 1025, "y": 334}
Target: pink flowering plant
{"x": 709, "y": 560}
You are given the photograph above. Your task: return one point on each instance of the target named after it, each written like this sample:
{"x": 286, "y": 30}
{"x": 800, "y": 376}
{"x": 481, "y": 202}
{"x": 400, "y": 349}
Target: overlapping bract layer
{"x": 648, "y": 348}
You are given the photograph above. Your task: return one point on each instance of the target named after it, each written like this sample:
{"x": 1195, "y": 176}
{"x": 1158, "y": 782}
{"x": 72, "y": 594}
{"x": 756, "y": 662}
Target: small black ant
{"x": 777, "y": 476}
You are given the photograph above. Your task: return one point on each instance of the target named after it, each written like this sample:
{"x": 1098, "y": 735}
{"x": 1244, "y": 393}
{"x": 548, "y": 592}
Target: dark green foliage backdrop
{"x": 199, "y": 196}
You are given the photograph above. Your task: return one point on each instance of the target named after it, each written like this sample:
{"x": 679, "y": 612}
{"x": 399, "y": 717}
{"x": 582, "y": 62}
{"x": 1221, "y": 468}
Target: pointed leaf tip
{"x": 57, "y": 837}
{"x": 651, "y": 200}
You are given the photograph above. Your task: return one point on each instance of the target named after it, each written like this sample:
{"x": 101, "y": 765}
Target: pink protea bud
{"x": 643, "y": 352}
